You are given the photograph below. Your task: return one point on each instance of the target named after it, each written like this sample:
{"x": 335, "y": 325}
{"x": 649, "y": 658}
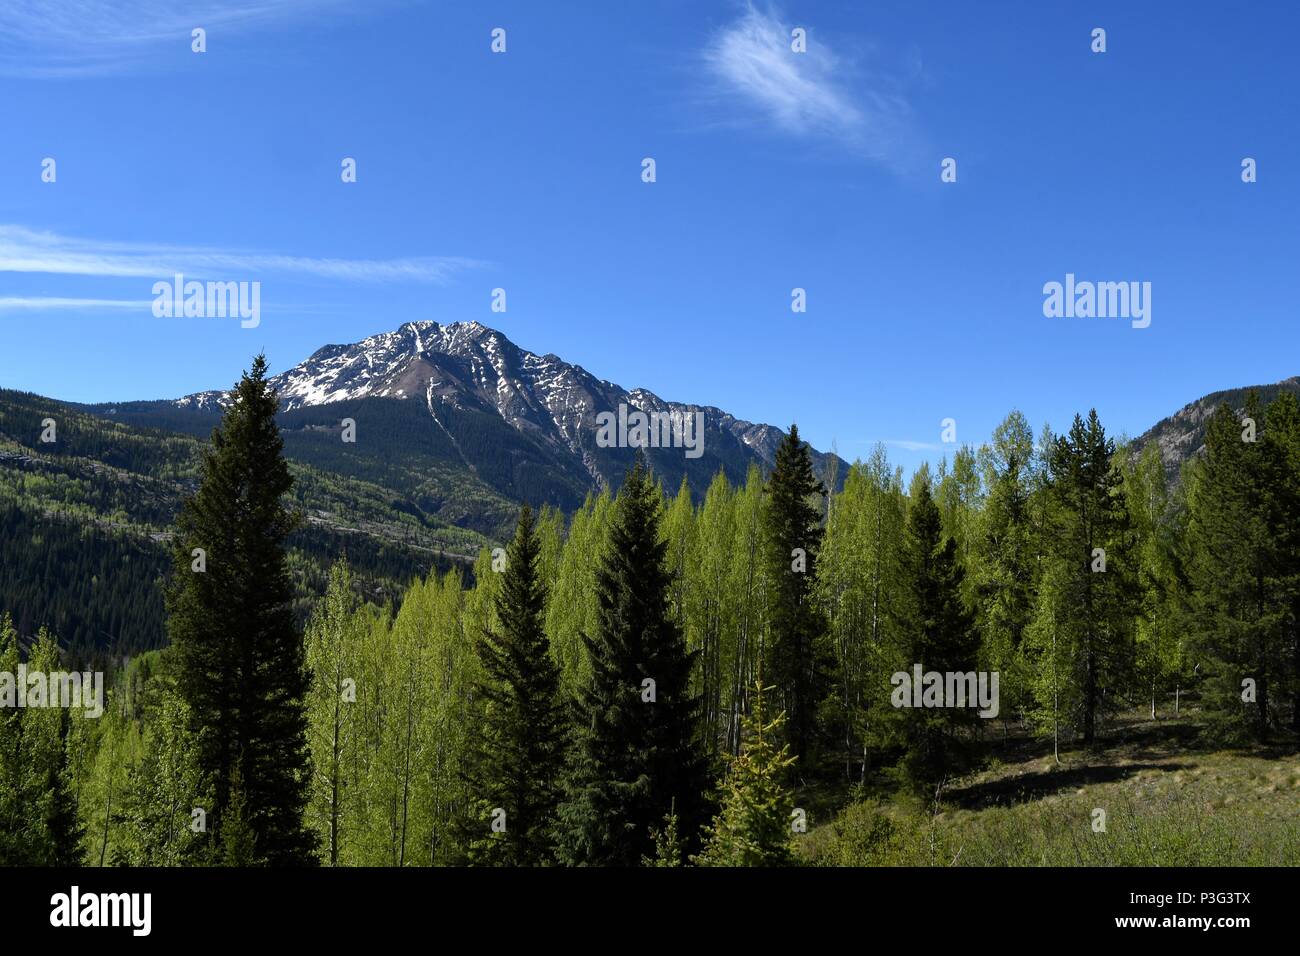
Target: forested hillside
{"x": 676, "y": 676}
{"x": 86, "y": 518}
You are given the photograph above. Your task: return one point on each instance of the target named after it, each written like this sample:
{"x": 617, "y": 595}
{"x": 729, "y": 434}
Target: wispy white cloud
{"x": 46, "y": 303}
{"x": 817, "y": 93}
{"x": 908, "y": 444}
{"x": 61, "y": 38}
{"x": 27, "y": 250}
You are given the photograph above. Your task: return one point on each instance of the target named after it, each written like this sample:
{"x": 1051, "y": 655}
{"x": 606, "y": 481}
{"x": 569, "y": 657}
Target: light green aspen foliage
{"x": 960, "y": 496}
{"x": 712, "y": 610}
{"x": 117, "y": 748}
{"x": 859, "y": 580}
{"x": 335, "y": 640}
{"x": 746, "y": 584}
{"x": 679, "y": 531}
{"x": 1160, "y": 625}
{"x": 572, "y": 610}
{"x": 1004, "y": 565}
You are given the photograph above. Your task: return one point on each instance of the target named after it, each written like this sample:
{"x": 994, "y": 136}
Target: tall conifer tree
{"x": 240, "y": 658}
{"x": 939, "y": 635}
{"x": 639, "y": 755}
{"x": 520, "y": 759}
{"x": 1244, "y": 580}
{"x": 1083, "y": 632}
{"x": 799, "y": 659}
{"x": 1282, "y": 455}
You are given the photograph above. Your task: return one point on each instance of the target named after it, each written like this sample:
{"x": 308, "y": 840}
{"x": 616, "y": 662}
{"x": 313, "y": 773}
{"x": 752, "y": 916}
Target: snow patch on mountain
{"x": 467, "y": 364}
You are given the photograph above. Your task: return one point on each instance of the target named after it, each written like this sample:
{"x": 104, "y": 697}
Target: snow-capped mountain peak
{"x": 467, "y": 367}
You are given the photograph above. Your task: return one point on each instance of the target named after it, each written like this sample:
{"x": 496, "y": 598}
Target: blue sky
{"x": 775, "y": 170}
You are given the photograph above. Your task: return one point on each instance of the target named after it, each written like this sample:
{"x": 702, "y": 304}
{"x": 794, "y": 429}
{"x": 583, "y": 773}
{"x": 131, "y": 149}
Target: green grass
{"x": 1168, "y": 801}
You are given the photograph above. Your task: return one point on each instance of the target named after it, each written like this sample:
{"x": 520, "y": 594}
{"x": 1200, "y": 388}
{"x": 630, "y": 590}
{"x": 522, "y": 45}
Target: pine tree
{"x": 519, "y": 762}
{"x": 668, "y": 845}
{"x": 240, "y": 658}
{"x": 639, "y": 752}
{"x": 939, "y": 635}
{"x": 1085, "y": 629}
{"x": 61, "y": 823}
{"x": 1243, "y": 595}
{"x": 238, "y": 842}
{"x": 793, "y": 537}
{"x": 754, "y": 827}
{"x": 1282, "y": 459}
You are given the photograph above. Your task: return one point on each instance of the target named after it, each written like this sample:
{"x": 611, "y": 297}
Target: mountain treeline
{"x": 655, "y": 680}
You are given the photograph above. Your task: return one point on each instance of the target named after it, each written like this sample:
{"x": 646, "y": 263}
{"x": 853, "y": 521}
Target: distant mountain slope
{"x": 455, "y": 425}
{"x": 1181, "y": 436}
{"x": 462, "y": 409}
{"x": 85, "y": 521}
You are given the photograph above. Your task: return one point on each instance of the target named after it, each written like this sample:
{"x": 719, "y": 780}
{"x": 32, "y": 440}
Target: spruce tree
{"x": 1083, "y": 633}
{"x": 520, "y": 758}
{"x": 238, "y": 842}
{"x": 61, "y": 824}
{"x": 638, "y": 754}
{"x": 668, "y": 845}
{"x": 939, "y": 635}
{"x": 239, "y": 653}
{"x": 1282, "y": 457}
{"x": 754, "y": 826}
{"x": 792, "y": 525}
{"x": 1244, "y": 587}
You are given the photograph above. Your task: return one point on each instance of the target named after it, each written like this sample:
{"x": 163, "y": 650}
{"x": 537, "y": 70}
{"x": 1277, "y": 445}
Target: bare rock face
{"x": 1181, "y": 436}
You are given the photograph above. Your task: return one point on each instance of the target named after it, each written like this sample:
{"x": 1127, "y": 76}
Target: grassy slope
{"x": 1169, "y": 799}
